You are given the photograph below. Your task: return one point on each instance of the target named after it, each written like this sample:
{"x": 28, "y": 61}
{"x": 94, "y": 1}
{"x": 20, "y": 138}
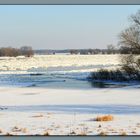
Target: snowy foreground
{"x": 61, "y": 101}
{"x": 42, "y": 111}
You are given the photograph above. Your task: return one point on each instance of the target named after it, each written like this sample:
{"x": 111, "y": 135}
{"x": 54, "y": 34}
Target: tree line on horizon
{"x": 26, "y": 51}
{"x": 111, "y": 49}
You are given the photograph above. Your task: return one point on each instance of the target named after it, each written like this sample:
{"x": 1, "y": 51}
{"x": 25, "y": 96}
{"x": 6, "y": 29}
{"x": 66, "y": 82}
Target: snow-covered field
{"x": 31, "y": 111}
{"x": 58, "y": 63}
{"x": 43, "y": 110}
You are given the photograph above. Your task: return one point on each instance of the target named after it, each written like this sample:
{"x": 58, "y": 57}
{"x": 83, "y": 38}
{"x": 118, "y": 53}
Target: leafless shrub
{"x": 104, "y": 74}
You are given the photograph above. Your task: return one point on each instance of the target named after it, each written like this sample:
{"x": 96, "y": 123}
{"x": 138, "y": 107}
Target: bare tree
{"x": 27, "y": 51}
{"x": 90, "y": 51}
{"x": 9, "y": 51}
{"x": 135, "y": 18}
{"x": 130, "y": 41}
{"x": 73, "y": 51}
{"x": 110, "y": 49}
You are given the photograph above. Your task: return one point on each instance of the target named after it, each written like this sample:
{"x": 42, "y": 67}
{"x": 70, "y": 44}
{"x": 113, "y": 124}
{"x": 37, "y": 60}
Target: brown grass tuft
{"x": 46, "y": 134}
{"x": 49, "y": 113}
{"x": 104, "y": 118}
{"x": 134, "y": 132}
{"x": 8, "y": 134}
{"x": 82, "y": 134}
{"x": 37, "y": 116}
{"x": 72, "y": 133}
{"x": 123, "y": 134}
{"x": 0, "y": 130}
{"x": 99, "y": 126}
{"x": 16, "y": 129}
{"x": 24, "y": 130}
{"x": 103, "y": 133}
{"x": 138, "y": 124}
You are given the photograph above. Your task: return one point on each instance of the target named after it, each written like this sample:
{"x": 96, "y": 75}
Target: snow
{"x": 59, "y": 63}
{"x": 64, "y": 112}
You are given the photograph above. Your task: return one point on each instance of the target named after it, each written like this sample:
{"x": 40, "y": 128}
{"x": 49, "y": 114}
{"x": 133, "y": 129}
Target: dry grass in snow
{"x": 104, "y": 118}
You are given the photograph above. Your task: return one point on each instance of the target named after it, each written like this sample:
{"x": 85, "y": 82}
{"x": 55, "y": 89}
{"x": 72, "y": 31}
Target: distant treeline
{"x": 13, "y": 52}
{"x": 84, "y": 51}
{"x": 28, "y": 51}
{"x": 78, "y": 51}
{"x": 95, "y": 51}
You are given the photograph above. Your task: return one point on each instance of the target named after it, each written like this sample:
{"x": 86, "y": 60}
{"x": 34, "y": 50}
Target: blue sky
{"x": 63, "y": 26}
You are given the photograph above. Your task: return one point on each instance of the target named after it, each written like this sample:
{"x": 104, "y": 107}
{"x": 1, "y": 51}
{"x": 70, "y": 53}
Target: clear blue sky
{"x": 63, "y": 26}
